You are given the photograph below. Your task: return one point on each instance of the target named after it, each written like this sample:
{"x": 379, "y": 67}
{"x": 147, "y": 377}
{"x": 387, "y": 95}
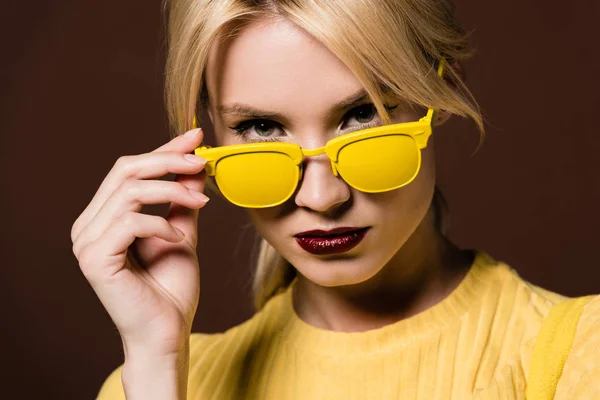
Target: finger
{"x": 143, "y": 166}
{"x": 186, "y": 218}
{"x": 183, "y": 144}
{"x": 180, "y": 143}
{"x": 130, "y": 197}
{"x": 105, "y": 257}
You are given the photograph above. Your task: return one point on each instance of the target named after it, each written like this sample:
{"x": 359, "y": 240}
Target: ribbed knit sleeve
{"x": 581, "y": 374}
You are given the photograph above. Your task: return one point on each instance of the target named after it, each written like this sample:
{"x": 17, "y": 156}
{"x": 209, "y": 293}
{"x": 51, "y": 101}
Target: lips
{"x": 333, "y": 232}
{"x": 339, "y": 240}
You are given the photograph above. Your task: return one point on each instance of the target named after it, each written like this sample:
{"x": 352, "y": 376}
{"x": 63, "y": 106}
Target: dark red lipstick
{"x": 338, "y": 240}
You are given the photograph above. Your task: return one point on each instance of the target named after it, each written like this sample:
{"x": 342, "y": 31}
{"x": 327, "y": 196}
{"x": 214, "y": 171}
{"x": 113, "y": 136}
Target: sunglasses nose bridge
{"x": 317, "y": 152}
{"x": 313, "y": 152}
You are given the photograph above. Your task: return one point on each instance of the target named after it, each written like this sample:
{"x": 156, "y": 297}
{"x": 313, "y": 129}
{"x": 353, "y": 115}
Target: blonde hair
{"x": 391, "y": 45}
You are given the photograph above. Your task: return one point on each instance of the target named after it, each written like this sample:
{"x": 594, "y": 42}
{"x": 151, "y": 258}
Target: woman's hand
{"x": 144, "y": 268}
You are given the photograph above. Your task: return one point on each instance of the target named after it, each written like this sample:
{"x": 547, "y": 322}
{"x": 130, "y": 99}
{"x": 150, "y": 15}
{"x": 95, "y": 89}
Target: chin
{"x": 333, "y": 272}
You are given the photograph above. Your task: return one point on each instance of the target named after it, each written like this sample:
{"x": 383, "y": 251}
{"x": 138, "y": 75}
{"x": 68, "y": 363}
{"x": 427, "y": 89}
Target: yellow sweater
{"x": 474, "y": 344}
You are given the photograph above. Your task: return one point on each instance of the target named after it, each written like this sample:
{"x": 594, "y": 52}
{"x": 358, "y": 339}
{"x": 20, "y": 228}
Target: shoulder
{"x": 580, "y": 378}
{"x": 516, "y": 310}
{"x": 510, "y": 314}
{"x": 224, "y": 359}
{"x": 264, "y": 324}
{"x": 530, "y": 303}
{"x": 501, "y": 288}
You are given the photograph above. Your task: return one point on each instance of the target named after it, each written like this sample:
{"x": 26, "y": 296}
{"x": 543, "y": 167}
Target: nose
{"x": 319, "y": 189}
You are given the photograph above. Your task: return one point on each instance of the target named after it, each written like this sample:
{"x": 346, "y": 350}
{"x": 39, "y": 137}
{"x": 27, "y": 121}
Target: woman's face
{"x": 273, "y": 68}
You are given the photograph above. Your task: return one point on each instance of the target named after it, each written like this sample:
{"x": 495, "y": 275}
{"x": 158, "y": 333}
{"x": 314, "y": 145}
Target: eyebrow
{"x": 244, "y": 110}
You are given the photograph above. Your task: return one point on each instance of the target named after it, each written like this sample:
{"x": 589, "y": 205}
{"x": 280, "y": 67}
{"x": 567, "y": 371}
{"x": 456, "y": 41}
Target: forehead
{"x": 273, "y": 64}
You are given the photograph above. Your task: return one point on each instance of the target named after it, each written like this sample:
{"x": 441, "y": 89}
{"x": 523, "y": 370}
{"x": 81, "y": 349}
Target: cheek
{"x": 265, "y": 221}
{"x": 426, "y": 176}
{"x": 423, "y": 185}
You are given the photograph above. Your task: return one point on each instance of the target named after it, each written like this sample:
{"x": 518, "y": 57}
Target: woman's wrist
{"x": 149, "y": 376}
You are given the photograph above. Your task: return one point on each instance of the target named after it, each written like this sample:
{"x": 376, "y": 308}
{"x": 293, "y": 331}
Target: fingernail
{"x": 194, "y": 159}
{"x": 199, "y": 195}
{"x": 193, "y": 132}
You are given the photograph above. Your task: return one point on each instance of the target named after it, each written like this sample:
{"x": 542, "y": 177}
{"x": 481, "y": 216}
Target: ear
{"x": 442, "y": 116}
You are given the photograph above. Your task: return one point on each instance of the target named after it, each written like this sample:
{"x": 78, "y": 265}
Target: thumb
{"x": 183, "y": 218}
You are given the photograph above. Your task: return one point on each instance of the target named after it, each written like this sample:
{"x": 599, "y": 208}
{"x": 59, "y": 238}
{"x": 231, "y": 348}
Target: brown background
{"x": 81, "y": 85}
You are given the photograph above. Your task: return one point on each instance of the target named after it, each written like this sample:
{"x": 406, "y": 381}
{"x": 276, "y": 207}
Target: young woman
{"x": 323, "y": 112}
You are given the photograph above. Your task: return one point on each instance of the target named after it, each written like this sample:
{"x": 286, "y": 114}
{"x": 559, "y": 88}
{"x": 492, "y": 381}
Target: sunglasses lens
{"x": 380, "y": 164}
{"x": 256, "y": 180}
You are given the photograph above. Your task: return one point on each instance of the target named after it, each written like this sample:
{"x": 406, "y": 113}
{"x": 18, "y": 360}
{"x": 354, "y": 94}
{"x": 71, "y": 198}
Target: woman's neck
{"x": 421, "y": 274}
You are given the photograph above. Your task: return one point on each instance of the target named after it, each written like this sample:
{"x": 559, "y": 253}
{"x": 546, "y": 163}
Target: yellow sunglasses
{"x": 374, "y": 160}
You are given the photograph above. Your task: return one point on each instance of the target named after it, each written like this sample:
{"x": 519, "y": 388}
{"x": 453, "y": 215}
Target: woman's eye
{"x": 365, "y": 114}
{"x": 264, "y": 128}
{"x": 257, "y": 130}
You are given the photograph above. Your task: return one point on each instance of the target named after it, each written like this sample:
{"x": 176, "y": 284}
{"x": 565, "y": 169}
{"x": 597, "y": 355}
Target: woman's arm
{"x": 148, "y": 377}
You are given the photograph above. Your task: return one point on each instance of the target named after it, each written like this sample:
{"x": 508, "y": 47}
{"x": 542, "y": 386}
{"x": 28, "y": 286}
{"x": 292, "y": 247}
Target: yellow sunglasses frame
{"x": 419, "y": 130}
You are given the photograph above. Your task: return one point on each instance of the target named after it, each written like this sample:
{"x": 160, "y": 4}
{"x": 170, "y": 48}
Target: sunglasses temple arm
{"x": 431, "y": 112}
